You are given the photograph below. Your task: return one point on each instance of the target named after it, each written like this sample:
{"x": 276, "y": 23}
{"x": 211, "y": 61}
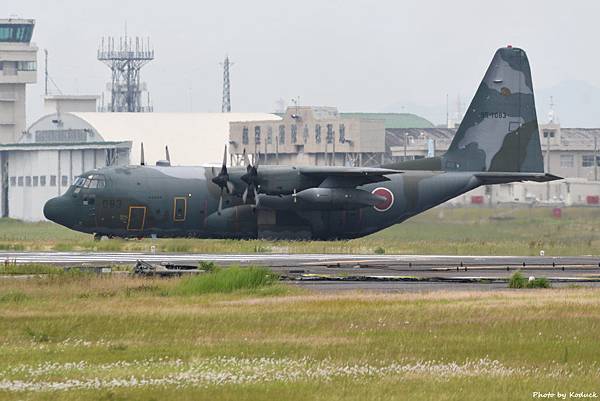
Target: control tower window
{"x": 16, "y": 32}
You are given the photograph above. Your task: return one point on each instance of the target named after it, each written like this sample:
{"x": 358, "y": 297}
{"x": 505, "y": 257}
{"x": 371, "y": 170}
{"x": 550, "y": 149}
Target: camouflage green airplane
{"x": 497, "y": 142}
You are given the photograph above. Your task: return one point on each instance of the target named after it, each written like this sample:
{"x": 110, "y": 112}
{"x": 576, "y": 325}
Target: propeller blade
{"x": 220, "y": 204}
{"x": 294, "y": 196}
{"x": 230, "y": 187}
{"x": 167, "y": 155}
{"x": 225, "y": 157}
{"x": 245, "y": 195}
{"x": 257, "y": 160}
{"x": 255, "y": 196}
{"x": 142, "y": 161}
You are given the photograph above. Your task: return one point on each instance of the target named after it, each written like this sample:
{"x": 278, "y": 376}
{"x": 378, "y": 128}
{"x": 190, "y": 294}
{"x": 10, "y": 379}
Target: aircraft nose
{"x": 53, "y": 209}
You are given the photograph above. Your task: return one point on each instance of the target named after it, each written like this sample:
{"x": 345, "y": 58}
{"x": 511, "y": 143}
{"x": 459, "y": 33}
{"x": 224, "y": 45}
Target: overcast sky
{"x": 356, "y": 55}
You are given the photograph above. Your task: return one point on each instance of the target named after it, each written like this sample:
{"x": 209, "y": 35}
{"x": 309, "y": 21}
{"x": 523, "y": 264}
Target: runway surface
{"x": 330, "y": 272}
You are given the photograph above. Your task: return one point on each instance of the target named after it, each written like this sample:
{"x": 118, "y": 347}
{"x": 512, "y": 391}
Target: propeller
{"x": 222, "y": 180}
{"x": 250, "y": 178}
{"x": 142, "y": 161}
{"x": 167, "y": 155}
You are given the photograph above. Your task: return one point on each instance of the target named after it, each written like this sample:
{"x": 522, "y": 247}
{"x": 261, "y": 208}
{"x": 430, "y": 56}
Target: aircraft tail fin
{"x": 499, "y": 132}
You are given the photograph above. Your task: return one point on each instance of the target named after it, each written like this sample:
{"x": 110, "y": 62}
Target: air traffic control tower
{"x": 18, "y": 67}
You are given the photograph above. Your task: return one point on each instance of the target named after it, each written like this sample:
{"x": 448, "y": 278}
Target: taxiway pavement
{"x": 330, "y": 272}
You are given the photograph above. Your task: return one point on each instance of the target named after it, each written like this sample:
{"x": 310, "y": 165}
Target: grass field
{"x": 457, "y": 231}
{"x": 74, "y": 337}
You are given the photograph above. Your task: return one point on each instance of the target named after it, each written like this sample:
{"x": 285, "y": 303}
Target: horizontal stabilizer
{"x": 504, "y": 178}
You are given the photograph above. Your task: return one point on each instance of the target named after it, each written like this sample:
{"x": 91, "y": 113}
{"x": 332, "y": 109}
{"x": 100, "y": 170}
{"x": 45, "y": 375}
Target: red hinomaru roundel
{"x": 387, "y": 203}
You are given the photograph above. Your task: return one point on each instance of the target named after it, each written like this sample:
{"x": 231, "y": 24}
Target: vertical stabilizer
{"x": 499, "y": 132}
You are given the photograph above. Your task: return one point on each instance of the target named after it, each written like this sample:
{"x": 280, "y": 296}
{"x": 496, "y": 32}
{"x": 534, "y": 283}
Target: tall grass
{"x": 28, "y": 268}
{"x": 517, "y": 280}
{"x": 227, "y": 280}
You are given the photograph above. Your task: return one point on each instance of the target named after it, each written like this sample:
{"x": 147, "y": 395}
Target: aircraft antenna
{"x": 125, "y": 58}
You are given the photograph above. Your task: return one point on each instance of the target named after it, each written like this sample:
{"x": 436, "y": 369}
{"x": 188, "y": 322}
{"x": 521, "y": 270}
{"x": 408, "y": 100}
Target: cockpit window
{"x": 93, "y": 181}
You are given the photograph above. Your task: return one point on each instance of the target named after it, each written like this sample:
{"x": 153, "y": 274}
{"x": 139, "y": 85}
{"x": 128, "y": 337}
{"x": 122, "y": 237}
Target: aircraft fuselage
{"x": 155, "y": 201}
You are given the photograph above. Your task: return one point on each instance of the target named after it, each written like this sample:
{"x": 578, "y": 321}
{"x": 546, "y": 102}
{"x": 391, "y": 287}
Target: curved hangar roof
{"x": 193, "y": 138}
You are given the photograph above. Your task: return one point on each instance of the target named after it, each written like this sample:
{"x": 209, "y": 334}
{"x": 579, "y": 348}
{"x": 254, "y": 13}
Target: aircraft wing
{"x": 347, "y": 177}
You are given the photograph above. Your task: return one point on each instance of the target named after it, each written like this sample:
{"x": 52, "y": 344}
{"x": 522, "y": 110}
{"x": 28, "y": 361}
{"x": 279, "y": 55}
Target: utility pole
{"x": 46, "y": 72}
{"x": 226, "y": 105}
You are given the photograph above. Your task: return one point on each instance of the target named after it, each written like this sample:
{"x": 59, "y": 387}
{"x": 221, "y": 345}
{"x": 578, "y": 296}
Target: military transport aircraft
{"x": 497, "y": 142}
